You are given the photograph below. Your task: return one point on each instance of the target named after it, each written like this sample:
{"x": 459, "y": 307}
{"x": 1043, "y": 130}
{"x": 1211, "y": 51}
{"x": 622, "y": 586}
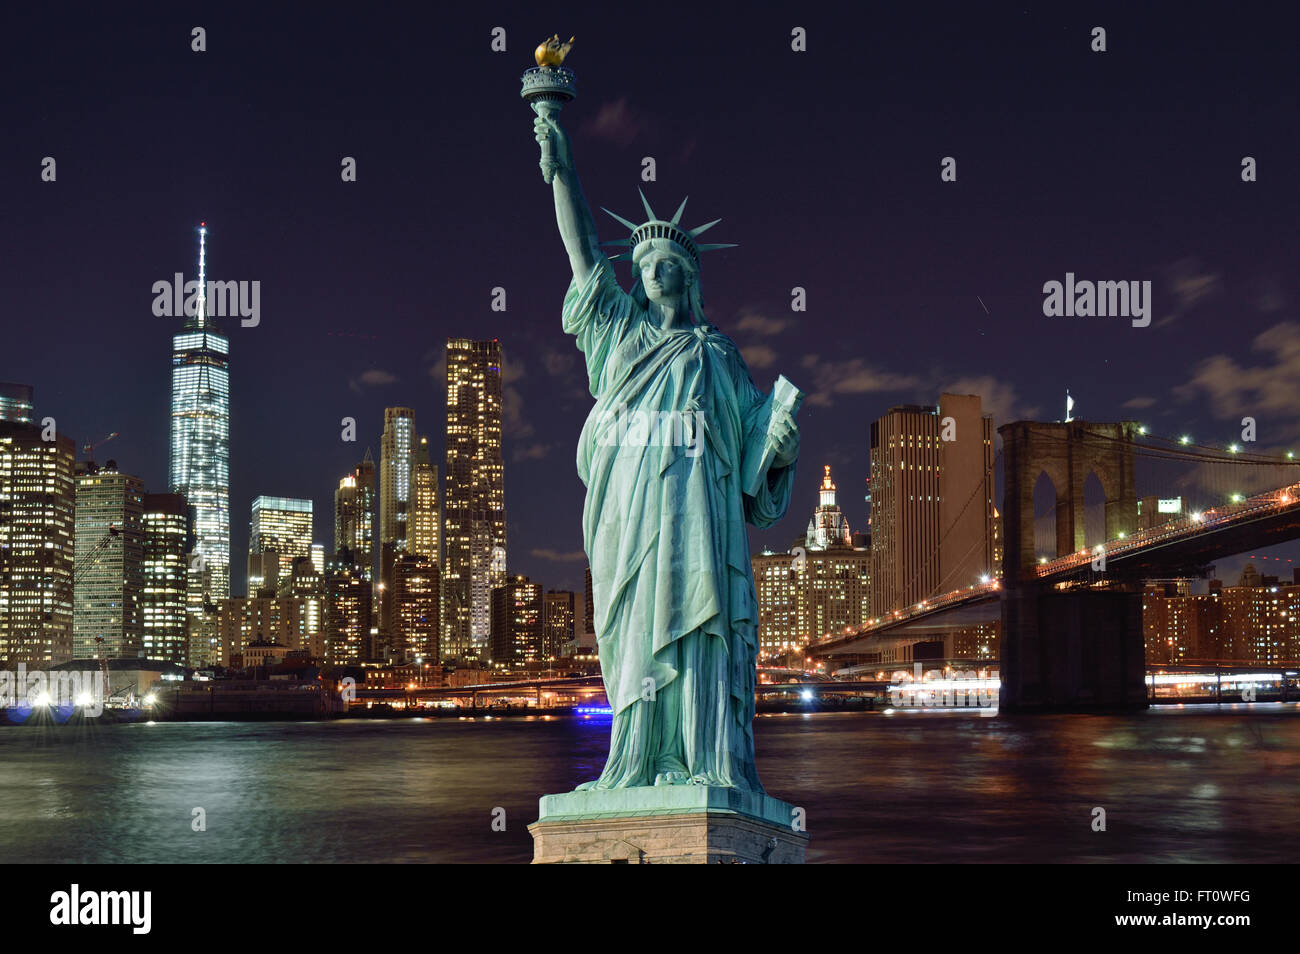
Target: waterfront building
{"x": 168, "y": 540}
{"x": 16, "y": 403}
{"x": 518, "y": 618}
{"x": 109, "y": 546}
{"x": 283, "y": 526}
{"x": 37, "y": 523}
{"x": 200, "y": 443}
{"x": 931, "y": 493}
{"x": 821, "y": 585}
{"x": 474, "y": 511}
{"x": 561, "y": 615}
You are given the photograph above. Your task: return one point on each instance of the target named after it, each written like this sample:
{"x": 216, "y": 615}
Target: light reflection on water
{"x": 1186, "y": 784}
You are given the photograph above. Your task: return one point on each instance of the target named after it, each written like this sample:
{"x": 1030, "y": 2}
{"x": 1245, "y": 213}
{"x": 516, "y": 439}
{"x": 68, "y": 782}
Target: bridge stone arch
{"x": 1067, "y": 452}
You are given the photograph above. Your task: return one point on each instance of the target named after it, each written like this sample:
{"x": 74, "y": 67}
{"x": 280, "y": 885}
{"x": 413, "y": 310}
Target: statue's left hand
{"x": 783, "y": 434}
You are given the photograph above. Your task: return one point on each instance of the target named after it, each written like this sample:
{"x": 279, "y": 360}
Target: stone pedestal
{"x": 666, "y": 824}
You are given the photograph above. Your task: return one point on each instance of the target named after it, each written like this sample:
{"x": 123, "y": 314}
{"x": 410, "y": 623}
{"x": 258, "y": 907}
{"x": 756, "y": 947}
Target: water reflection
{"x": 1182, "y": 784}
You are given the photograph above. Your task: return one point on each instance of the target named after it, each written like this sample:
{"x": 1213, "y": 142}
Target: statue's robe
{"x": 664, "y": 529}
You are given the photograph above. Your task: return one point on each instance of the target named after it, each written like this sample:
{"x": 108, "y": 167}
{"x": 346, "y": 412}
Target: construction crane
{"x": 89, "y": 449}
{"x": 87, "y": 562}
{"x": 84, "y": 566}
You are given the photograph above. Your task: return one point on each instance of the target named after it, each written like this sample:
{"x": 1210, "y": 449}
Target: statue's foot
{"x": 586, "y": 786}
{"x": 672, "y": 778}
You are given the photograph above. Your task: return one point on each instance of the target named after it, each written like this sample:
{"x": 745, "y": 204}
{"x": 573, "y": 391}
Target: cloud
{"x": 854, "y": 376}
{"x": 569, "y": 556}
{"x": 513, "y": 422}
{"x": 1140, "y": 403}
{"x": 534, "y": 451}
{"x": 1187, "y": 284}
{"x": 372, "y": 378}
{"x": 758, "y": 356}
{"x": 557, "y": 363}
{"x": 998, "y": 398}
{"x": 1268, "y": 389}
{"x": 438, "y": 370}
{"x": 762, "y": 324}
{"x": 616, "y": 122}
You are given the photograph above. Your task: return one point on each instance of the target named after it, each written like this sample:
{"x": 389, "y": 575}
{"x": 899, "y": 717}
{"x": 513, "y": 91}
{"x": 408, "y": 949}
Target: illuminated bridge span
{"x": 1191, "y": 539}
{"x": 1072, "y": 621}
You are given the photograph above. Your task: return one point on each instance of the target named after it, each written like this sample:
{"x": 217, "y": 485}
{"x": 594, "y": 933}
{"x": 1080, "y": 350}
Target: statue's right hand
{"x": 544, "y": 130}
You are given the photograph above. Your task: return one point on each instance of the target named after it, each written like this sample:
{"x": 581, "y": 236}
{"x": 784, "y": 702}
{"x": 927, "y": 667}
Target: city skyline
{"x": 944, "y": 298}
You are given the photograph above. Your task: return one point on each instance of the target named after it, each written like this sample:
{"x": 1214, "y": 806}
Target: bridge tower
{"x": 1081, "y": 648}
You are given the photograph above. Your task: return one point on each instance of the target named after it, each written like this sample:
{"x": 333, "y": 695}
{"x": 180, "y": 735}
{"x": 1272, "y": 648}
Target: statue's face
{"x": 663, "y": 277}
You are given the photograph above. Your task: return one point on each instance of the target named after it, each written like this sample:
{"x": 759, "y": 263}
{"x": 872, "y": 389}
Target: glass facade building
{"x": 200, "y": 445}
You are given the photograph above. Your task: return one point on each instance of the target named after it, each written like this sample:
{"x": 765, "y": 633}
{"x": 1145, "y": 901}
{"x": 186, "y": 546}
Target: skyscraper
{"x": 37, "y": 518}
{"x": 931, "y": 501}
{"x": 474, "y": 511}
{"x": 168, "y": 539}
{"x": 348, "y": 612}
{"x": 354, "y": 515}
{"x": 821, "y": 585}
{"x": 106, "y": 614}
{"x": 517, "y": 622}
{"x": 200, "y": 442}
{"x": 280, "y": 525}
{"x": 561, "y": 613}
{"x": 426, "y": 511}
{"x": 15, "y": 403}
{"x": 396, "y": 455}
{"x": 416, "y": 598}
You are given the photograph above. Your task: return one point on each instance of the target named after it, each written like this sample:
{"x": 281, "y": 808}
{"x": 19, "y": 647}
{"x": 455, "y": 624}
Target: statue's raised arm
{"x": 572, "y": 214}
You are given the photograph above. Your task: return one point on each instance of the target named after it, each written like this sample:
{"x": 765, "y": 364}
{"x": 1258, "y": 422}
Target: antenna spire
{"x": 202, "y": 312}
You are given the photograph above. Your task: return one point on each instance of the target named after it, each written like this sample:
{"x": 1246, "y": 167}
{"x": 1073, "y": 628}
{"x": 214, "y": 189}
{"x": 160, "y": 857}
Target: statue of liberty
{"x": 680, "y": 451}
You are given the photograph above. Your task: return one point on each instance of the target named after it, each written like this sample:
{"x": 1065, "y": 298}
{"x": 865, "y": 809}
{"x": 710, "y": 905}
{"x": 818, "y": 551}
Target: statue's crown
{"x": 664, "y": 229}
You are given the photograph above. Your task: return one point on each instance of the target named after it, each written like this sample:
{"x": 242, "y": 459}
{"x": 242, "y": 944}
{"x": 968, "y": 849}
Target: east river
{"x": 1194, "y": 784}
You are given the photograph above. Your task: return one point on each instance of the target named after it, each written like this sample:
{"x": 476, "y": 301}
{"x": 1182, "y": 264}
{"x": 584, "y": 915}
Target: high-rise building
{"x": 283, "y": 620}
{"x": 354, "y": 515}
{"x": 931, "y": 501}
{"x": 349, "y": 597}
{"x": 561, "y": 614}
{"x": 396, "y": 455}
{"x": 518, "y": 618}
{"x": 200, "y": 443}
{"x": 821, "y": 586}
{"x": 416, "y": 601}
{"x": 426, "y": 509}
{"x": 109, "y": 543}
{"x": 588, "y": 606}
{"x": 37, "y": 521}
{"x": 168, "y": 533}
{"x": 15, "y": 403}
{"x": 474, "y": 509}
{"x": 280, "y": 525}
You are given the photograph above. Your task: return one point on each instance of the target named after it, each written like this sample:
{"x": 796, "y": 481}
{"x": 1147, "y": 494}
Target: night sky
{"x": 823, "y": 165}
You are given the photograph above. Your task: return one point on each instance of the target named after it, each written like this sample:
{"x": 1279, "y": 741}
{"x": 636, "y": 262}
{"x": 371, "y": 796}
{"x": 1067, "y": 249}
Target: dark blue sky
{"x": 824, "y": 166}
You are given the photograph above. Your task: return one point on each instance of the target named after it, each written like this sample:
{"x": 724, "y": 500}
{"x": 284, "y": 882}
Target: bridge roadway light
{"x": 1233, "y": 448}
{"x": 1185, "y": 439}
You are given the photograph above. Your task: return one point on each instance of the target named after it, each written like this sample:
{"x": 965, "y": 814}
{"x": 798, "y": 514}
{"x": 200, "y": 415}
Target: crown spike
{"x": 710, "y": 248}
{"x": 650, "y": 213}
{"x": 620, "y": 218}
{"x": 626, "y": 241}
{"x": 703, "y": 228}
{"x": 677, "y": 216}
